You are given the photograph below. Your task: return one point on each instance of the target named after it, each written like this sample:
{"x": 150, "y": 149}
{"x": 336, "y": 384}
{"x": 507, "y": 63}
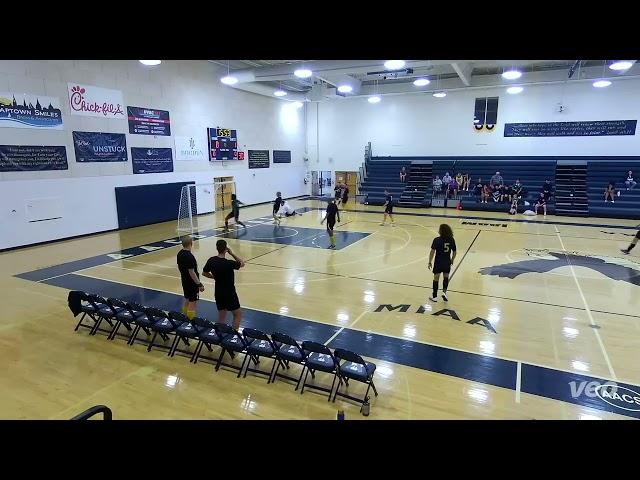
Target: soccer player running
{"x": 443, "y": 248}
{"x": 330, "y": 217}
{"x": 388, "y": 209}
{"x": 235, "y": 212}
{"x": 632, "y": 245}
{"x": 221, "y": 270}
{"x": 191, "y": 285}
{"x": 277, "y": 203}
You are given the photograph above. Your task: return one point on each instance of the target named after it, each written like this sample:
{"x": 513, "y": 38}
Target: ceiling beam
{"x": 464, "y": 72}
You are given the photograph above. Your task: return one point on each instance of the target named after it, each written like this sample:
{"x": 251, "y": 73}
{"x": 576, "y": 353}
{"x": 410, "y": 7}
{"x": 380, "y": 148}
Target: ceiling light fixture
{"x": 621, "y": 65}
{"x": 440, "y": 94}
{"x": 514, "y": 90}
{"x": 303, "y": 73}
{"x": 421, "y": 82}
{"x": 150, "y": 63}
{"x": 298, "y": 104}
{"x": 345, "y": 88}
{"x": 229, "y": 80}
{"x": 394, "y": 64}
{"x": 374, "y": 99}
{"x": 279, "y": 93}
{"x": 511, "y": 74}
{"x": 601, "y": 83}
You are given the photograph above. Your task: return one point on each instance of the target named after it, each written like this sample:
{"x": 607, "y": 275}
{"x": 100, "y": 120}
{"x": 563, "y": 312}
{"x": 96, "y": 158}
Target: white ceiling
{"x": 369, "y": 76}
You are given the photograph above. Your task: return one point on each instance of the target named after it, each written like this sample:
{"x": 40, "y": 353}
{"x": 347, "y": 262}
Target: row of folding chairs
{"x": 253, "y": 344}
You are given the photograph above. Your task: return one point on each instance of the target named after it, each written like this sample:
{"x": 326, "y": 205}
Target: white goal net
{"x": 198, "y": 200}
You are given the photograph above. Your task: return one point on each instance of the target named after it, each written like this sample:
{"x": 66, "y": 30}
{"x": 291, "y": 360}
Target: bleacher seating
{"x": 383, "y": 174}
{"x": 599, "y": 174}
{"x": 532, "y": 174}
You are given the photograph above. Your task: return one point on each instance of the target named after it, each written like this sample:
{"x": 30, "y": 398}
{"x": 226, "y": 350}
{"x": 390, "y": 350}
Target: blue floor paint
{"x": 470, "y": 366}
{"x": 294, "y": 235}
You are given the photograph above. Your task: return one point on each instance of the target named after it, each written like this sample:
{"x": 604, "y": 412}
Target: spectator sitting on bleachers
{"x": 403, "y": 174}
{"x": 466, "y": 181}
{"x": 437, "y": 185}
{"x": 496, "y": 193}
{"x": 541, "y": 202}
{"x": 453, "y": 188}
{"x": 446, "y": 180}
{"x": 478, "y": 191}
{"x": 630, "y": 182}
{"x": 518, "y": 190}
{"x": 486, "y": 193}
{"x": 459, "y": 179}
{"x": 496, "y": 180}
{"x": 505, "y": 193}
{"x": 610, "y": 192}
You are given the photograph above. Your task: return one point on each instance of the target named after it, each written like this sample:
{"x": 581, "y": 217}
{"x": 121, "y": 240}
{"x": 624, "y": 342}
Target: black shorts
{"x": 442, "y": 266}
{"x": 638, "y": 234}
{"x": 388, "y": 209}
{"x": 344, "y": 199}
{"x": 331, "y": 223}
{"x": 234, "y": 215}
{"x": 190, "y": 291}
{"x": 227, "y": 301}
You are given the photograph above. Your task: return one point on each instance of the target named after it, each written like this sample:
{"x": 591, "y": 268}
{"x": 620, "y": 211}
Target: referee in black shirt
{"x": 221, "y": 270}
{"x": 191, "y": 285}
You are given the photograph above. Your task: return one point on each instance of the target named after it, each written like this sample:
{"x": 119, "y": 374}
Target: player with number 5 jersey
{"x": 443, "y": 248}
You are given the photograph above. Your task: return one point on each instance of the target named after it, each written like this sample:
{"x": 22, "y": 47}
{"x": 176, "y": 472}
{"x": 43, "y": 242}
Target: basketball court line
{"x": 587, "y": 310}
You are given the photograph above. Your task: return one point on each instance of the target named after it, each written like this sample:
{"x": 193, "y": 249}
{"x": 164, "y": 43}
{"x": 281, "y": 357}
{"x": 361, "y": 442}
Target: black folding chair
{"x": 124, "y": 316}
{"x": 354, "y": 367}
{"x": 104, "y": 312}
{"x": 165, "y": 324}
{"x": 258, "y": 345}
{"x": 207, "y": 337}
{"x": 231, "y": 341}
{"x": 88, "y": 307}
{"x": 140, "y": 321}
{"x": 146, "y": 322}
{"x": 319, "y": 358}
{"x": 288, "y": 350}
{"x": 185, "y": 331}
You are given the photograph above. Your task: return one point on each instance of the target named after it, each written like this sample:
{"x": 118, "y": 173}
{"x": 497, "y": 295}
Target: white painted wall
{"x": 195, "y": 99}
{"x": 423, "y": 125}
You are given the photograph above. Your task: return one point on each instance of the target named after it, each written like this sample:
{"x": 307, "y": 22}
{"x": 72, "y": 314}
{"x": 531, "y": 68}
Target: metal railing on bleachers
{"x": 106, "y": 412}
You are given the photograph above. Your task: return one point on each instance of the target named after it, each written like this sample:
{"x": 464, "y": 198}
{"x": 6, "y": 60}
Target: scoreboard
{"x": 223, "y": 144}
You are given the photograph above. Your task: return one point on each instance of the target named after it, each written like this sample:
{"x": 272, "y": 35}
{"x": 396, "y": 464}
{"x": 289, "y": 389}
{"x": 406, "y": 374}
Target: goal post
{"x": 199, "y": 199}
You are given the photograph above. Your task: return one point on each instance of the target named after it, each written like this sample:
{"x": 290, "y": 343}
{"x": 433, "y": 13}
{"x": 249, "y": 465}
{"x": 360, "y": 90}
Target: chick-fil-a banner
{"x": 92, "y": 101}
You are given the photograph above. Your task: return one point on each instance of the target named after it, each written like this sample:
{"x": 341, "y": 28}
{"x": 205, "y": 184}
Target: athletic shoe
{"x": 433, "y": 299}
{"x": 444, "y": 296}
{"x": 382, "y": 224}
{"x": 625, "y": 251}
{"x": 331, "y": 247}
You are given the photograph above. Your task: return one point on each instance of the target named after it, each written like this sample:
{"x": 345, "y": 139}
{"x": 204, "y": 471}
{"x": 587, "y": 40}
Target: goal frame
{"x": 188, "y": 227}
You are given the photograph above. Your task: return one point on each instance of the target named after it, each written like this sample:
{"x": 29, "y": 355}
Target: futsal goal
{"x": 199, "y": 202}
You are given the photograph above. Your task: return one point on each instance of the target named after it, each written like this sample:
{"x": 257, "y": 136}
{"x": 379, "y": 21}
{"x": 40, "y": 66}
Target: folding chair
{"x": 287, "y": 350}
{"x": 231, "y": 341}
{"x": 258, "y": 345}
{"x": 319, "y": 357}
{"x": 104, "y": 312}
{"x": 146, "y": 322}
{"x": 207, "y": 337}
{"x": 88, "y": 307}
{"x": 165, "y": 324}
{"x": 355, "y": 368}
{"x": 187, "y": 330}
{"x": 140, "y": 321}
{"x": 124, "y": 316}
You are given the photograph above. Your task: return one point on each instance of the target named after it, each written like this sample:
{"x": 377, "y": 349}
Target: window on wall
{"x": 485, "y": 114}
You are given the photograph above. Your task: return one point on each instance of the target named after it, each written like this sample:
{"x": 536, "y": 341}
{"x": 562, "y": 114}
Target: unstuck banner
{"x": 100, "y": 147}
{"x": 152, "y": 160}
{"x": 30, "y": 158}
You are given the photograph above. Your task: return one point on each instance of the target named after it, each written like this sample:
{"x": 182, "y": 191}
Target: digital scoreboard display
{"x": 223, "y": 144}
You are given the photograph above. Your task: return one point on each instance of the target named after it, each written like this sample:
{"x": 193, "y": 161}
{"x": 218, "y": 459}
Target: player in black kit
{"x": 235, "y": 213}
{"x": 632, "y": 244}
{"x": 444, "y": 249}
{"x": 277, "y": 203}
{"x": 330, "y": 217}
{"x": 388, "y": 209}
